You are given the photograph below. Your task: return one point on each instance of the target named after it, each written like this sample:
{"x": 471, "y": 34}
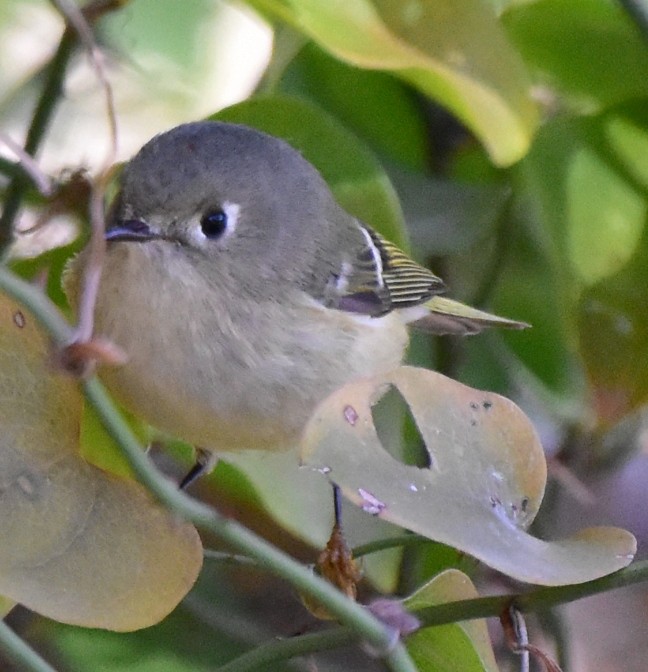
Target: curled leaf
{"x": 78, "y": 545}
{"x": 484, "y": 485}
{"x": 454, "y": 51}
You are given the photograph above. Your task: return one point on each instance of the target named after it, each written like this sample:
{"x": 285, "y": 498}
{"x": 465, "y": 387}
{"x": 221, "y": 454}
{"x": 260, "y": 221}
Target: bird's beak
{"x": 133, "y": 230}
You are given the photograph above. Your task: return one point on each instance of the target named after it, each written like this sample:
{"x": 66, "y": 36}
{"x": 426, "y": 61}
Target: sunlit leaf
{"x": 355, "y": 176}
{"x": 79, "y": 545}
{"x": 455, "y": 51}
{"x": 463, "y": 646}
{"x": 484, "y": 485}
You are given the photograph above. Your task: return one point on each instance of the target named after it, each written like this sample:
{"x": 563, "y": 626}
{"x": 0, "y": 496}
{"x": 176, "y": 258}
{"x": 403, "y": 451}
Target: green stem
{"x": 541, "y": 598}
{"x": 228, "y": 558}
{"x": 391, "y": 542}
{"x": 364, "y": 624}
{"x": 40, "y": 121}
{"x": 285, "y": 649}
{"x": 11, "y": 169}
{"x": 20, "y": 653}
{"x": 443, "y": 614}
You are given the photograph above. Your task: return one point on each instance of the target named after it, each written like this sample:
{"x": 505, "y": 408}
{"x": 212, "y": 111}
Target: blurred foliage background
{"x": 515, "y": 134}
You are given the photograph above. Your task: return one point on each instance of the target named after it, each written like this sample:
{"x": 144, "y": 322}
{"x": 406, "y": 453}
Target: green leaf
{"x": 387, "y": 115}
{"x": 79, "y": 545}
{"x": 570, "y": 44}
{"x": 182, "y": 642}
{"x": 446, "y": 217}
{"x": 356, "y": 178}
{"x": 6, "y": 606}
{"x": 457, "y": 647}
{"x": 594, "y": 214}
{"x": 454, "y": 51}
{"x": 484, "y": 484}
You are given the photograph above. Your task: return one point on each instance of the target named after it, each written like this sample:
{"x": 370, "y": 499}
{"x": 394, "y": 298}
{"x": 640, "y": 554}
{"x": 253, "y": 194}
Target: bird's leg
{"x": 337, "y": 506}
{"x": 205, "y": 462}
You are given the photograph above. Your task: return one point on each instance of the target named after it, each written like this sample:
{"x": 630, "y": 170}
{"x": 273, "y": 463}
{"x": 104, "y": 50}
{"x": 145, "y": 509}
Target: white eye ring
{"x": 217, "y": 223}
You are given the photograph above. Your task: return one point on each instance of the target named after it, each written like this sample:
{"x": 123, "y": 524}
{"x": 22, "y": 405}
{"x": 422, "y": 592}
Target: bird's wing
{"x": 377, "y": 277}
{"x": 446, "y": 316}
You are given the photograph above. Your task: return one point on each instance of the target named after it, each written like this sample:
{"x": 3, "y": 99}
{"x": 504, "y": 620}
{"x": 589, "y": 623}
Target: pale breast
{"x": 222, "y": 372}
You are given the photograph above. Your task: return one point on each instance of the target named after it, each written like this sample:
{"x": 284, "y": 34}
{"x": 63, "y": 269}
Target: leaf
{"x": 388, "y": 115}
{"x": 593, "y": 212}
{"x": 463, "y": 646}
{"x": 445, "y": 217}
{"x": 6, "y": 606}
{"x": 454, "y": 51}
{"x": 570, "y": 44}
{"x": 354, "y": 175}
{"x": 484, "y": 486}
{"x": 302, "y": 503}
{"x": 613, "y": 333}
{"x": 79, "y": 545}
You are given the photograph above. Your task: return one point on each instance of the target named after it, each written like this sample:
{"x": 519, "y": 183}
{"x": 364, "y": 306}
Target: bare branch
{"x": 41, "y": 181}
{"x": 92, "y": 271}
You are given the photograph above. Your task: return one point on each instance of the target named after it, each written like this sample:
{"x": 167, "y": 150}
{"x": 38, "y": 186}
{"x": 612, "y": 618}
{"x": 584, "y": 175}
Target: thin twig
{"x": 97, "y": 245}
{"x": 41, "y": 118}
{"x": 43, "y": 112}
{"x": 20, "y": 653}
{"x": 41, "y": 181}
{"x": 517, "y": 635}
{"x": 391, "y": 542}
{"x": 284, "y": 649}
{"x": 229, "y": 558}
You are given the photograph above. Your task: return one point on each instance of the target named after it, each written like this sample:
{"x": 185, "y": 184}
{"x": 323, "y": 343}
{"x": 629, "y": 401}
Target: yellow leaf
{"x": 78, "y": 545}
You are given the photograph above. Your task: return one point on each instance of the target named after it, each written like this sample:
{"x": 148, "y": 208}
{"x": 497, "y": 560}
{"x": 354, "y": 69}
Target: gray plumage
{"x": 234, "y": 337}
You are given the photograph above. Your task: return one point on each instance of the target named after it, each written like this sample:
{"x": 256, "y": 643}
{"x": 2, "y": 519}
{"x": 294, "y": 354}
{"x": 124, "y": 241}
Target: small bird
{"x": 243, "y": 294}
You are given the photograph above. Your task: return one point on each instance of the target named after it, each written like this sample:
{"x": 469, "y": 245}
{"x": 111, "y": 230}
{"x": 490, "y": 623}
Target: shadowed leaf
{"x": 78, "y": 545}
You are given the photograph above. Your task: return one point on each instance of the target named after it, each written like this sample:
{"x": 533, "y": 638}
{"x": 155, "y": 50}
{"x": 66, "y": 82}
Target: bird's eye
{"x": 214, "y": 224}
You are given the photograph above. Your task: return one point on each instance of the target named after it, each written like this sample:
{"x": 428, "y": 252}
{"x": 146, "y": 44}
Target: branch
{"x": 47, "y": 102}
{"x": 40, "y": 121}
{"x": 541, "y": 598}
{"x": 441, "y": 614}
{"x": 20, "y": 653}
{"x": 363, "y": 623}
{"x": 284, "y": 649}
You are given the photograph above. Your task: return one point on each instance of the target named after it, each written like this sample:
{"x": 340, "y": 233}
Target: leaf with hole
{"x": 482, "y": 489}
